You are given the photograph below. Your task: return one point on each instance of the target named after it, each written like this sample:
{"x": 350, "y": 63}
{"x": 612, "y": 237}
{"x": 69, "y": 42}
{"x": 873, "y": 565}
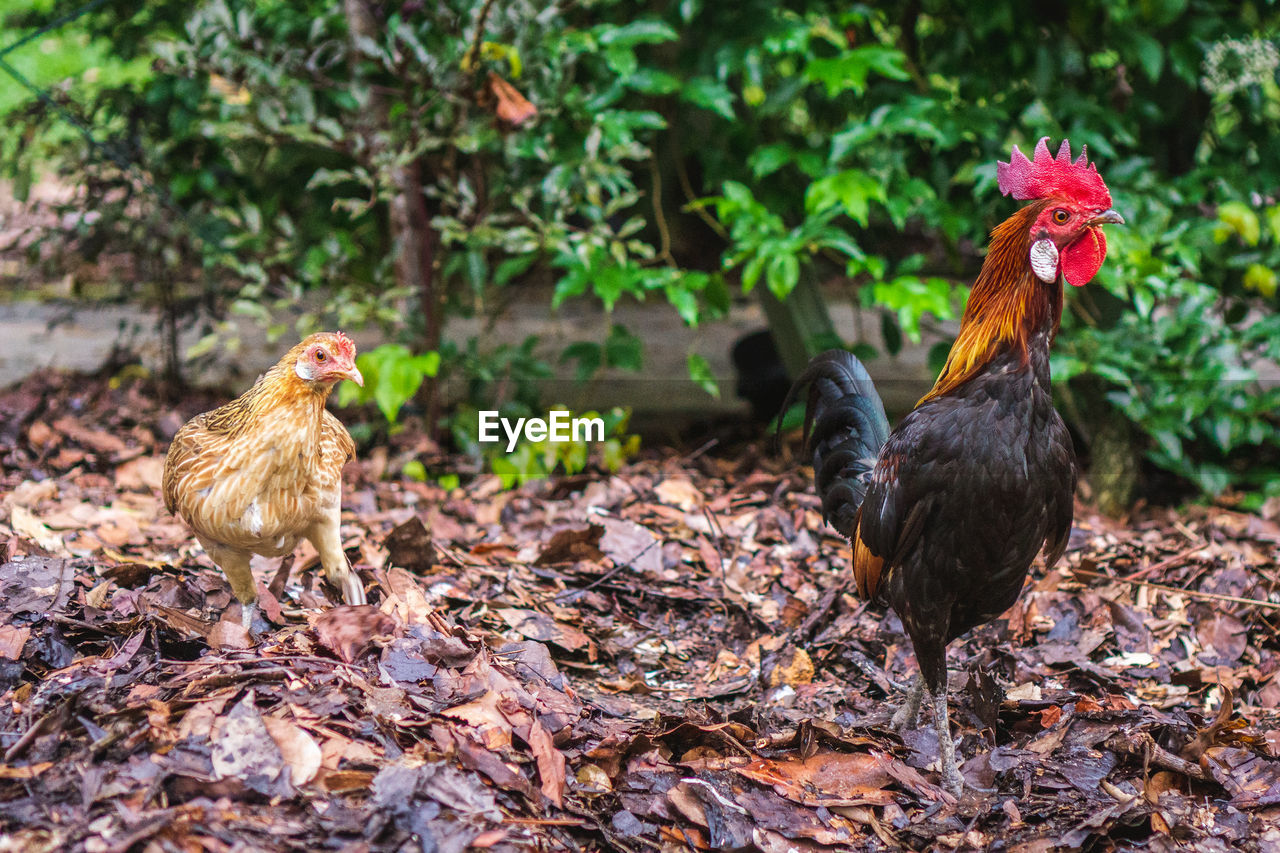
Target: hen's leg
{"x": 908, "y": 714}
{"x": 328, "y": 541}
{"x": 235, "y": 565}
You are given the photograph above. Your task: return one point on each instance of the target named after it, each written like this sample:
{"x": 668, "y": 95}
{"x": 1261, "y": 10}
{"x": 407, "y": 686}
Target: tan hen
{"x": 265, "y": 470}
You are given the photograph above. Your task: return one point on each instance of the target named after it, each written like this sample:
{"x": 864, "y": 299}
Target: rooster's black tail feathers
{"x": 844, "y": 428}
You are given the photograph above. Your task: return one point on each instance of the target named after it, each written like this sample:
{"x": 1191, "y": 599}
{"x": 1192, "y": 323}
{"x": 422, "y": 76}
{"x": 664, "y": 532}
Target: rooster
{"x": 265, "y": 470}
{"x": 947, "y": 512}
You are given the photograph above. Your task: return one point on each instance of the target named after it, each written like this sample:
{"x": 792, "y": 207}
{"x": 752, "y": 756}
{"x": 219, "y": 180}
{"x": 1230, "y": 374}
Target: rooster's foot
{"x": 908, "y": 714}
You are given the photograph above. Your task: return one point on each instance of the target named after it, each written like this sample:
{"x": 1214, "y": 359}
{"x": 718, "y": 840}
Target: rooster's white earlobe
{"x": 1044, "y": 260}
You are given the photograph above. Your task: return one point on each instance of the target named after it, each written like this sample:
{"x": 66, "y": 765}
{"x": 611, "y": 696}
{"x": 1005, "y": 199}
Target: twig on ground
{"x": 1190, "y": 593}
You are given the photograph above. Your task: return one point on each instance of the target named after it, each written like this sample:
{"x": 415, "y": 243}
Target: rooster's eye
{"x": 1060, "y": 216}
{"x": 321, "y": 355}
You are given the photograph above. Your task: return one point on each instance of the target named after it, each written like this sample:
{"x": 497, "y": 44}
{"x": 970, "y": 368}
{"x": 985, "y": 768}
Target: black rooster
{"x": 947, "y": 512}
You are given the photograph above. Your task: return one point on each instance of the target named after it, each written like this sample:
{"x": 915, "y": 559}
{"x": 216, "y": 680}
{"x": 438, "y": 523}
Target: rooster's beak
{"x": 1107, "y": 217}
{"x": 354, "y": 375}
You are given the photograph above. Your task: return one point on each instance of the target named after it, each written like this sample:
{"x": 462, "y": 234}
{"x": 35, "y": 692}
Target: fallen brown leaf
{"x": 349, "y": 630}
{"x": 826, "y": 778}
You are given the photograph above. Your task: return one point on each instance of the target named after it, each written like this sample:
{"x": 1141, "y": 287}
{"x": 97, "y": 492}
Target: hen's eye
{"x": 1060, "y": 216}
{"x": 321, "y": 355}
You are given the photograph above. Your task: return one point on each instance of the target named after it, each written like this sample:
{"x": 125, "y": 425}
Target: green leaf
{"x": 1241, "y": 218}
{"x": 1150, "y": 54}
{"x": 392, "y": 377}
{"x": 588, "y": 355}
{"x": 512, "y": 267}
{"x": 850, "y": 70}
{"x": 650, "y": 81}
{"x": 782, "y": 274}
{"x": 853, "y": 189}
{"x": 685, "y": 301}
{"x": 717, "y": 295}
{"x": 1273, "y": 221}
{"x": 643, "y": 31}
{"x": 428, "y": 363}
{"x": 710, "y": 94}
{"x": 700, "y": 372}
{"x": 623, "y": 349}
{"x": 891, "y": 332}
{"x": 769, "y": 159}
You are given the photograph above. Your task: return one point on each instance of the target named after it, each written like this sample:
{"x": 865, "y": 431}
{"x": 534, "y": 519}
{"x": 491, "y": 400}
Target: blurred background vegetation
{"x": 396, "y": 164}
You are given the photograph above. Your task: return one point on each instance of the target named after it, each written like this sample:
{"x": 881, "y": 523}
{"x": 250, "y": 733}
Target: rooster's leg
{"x": 328, "y": 541}
{"x": 931, "y": 653}
{"x": 951, "y": 779}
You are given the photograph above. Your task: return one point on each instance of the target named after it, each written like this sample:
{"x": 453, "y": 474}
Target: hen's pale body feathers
{"x": 262, "y": 472}
{"x": 258, "y": 495}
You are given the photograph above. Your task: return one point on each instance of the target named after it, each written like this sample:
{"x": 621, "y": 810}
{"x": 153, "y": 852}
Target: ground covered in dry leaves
{"x": 666, "y": 658}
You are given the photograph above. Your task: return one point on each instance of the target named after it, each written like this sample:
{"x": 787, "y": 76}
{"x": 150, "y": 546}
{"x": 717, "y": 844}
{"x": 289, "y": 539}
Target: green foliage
{"x": 69, "y": 58}
{"x": 682, "y": 151}
{"x": 1183, "y": 358}
{"x": 870, "y": 135}
{"x": 700, "y": 372}
{"x": 392, "y": 377}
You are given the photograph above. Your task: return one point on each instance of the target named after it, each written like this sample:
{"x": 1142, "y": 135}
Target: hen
{"x": 263, "y": 471}
{"x": 947, "y": 512}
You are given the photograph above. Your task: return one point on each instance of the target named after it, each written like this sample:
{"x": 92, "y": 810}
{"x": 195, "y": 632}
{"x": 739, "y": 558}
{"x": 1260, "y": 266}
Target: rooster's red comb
{"x": 1046, "y": 176}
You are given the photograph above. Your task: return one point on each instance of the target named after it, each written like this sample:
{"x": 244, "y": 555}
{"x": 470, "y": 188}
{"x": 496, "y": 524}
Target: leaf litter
{"x": 667, "y": 658}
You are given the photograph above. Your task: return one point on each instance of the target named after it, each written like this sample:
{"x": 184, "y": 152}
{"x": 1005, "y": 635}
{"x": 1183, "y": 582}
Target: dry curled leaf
{"x": 826, "y": 778}
{"x": 350, "y": 630}
{"x": 509, "y": 105}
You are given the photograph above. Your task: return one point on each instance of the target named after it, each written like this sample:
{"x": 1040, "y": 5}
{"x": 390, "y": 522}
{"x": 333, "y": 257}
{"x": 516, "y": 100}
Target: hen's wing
{"x": 336, "y": 446}
{"x": 205, "y": 473}
{"x": 182, "y": 471}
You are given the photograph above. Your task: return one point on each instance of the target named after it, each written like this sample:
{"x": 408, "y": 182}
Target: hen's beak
{"x": 354, "y": 375}
{"x": 1107, "y": 217}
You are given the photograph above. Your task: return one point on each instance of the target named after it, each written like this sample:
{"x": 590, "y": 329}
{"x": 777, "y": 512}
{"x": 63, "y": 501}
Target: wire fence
{"x": 86, "y": 130}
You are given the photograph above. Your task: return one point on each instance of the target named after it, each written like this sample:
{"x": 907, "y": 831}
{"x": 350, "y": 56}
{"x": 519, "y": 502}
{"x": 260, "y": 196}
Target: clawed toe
{"x": 353, "y": 589}
{"x": 907, "y": 716}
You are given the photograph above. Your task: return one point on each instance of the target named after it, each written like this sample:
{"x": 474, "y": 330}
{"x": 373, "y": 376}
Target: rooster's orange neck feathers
{"x": 1006, "y": 305}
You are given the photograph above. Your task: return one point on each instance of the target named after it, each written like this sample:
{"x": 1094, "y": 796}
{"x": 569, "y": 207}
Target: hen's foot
{"x": 247, "y": 614}
{"x": 352, "y": 588}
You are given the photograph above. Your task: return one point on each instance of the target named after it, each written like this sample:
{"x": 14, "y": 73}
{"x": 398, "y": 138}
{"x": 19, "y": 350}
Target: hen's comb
{"x": 345, "y": 345}
{"x": 1046, "y": 176}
